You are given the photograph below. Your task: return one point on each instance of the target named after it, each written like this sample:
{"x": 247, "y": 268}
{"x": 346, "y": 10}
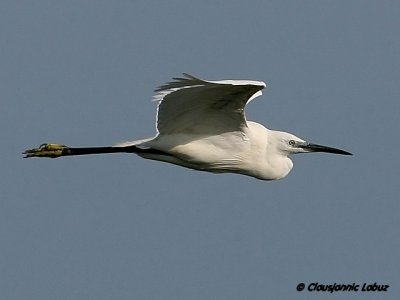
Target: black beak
{"x": 320, "y": 148}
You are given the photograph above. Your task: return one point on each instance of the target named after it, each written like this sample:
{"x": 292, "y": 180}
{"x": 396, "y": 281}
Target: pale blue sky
{"x": 119, "y": 227}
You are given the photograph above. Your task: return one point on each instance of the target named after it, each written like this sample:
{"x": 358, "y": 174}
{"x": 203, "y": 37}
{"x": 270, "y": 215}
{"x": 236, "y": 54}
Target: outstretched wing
{"x": 193, "y": 105}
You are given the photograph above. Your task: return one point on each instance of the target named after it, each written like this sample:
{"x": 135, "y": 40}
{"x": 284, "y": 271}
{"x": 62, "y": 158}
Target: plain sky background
{"x": 83, "y": 73}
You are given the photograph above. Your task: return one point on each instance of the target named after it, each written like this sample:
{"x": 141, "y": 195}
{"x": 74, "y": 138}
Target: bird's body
{"x": 233, "y": 152}
{"x": 201, "y": 125}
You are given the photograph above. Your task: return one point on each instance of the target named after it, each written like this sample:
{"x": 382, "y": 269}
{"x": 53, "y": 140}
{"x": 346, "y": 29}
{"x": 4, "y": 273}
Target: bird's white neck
{"x": 272, "y": 162}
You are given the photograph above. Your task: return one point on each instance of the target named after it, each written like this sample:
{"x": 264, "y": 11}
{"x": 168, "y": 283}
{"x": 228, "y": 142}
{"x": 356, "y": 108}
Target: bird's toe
{"x": 46, "y": 150}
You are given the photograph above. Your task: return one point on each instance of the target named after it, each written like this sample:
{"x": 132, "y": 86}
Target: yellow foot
{"x": 46, "y": 150}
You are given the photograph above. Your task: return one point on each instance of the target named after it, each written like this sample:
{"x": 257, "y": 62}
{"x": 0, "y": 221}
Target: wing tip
{"x": 187, "y": 75}
{"x": 189, "y": 80}
{"x": 177, "y": 83}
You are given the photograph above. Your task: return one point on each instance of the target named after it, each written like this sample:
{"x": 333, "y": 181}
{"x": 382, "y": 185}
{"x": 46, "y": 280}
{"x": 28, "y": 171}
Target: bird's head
{"x": 287, "y": 144}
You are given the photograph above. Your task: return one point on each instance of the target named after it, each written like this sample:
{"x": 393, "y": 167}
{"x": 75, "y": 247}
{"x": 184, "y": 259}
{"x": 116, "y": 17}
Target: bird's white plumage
{"x": 201, "y": 125}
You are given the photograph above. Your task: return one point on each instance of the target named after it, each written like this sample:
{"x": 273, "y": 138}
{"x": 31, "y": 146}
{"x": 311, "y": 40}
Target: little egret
{"x": 201, "y": 125}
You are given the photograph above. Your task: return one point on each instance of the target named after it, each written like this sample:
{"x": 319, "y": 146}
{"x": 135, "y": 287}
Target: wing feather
{"x": 193, "y": 105}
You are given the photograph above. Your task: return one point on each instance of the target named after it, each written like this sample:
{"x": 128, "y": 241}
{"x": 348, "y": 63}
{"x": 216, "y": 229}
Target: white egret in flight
{"x": 201, "y": 125}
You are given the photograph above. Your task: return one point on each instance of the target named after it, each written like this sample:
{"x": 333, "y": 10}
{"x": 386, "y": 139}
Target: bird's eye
{"x": 292, "y": 142}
